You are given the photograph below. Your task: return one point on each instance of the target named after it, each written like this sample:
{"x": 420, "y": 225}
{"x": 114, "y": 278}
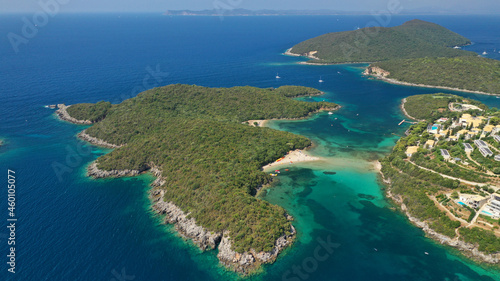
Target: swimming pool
{"x": 488, "y": 213}
{"x": 462, "y": 203}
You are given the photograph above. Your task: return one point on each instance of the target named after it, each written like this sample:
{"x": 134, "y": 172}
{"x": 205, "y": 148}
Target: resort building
{"x": 486, "y": 152}
{"x": 488, "y": 129}
{"x": 411, "y": 150}
{"x": 429, "y": 144}
{"x": 497, "y": 157}
{"x": 468, "y": 148}
{"x": 496, "y": 138}
{"x": 467, "y": 120}
{"x": 433, "y": 129}
{"x": 453, "y": 138}
{"x": 474, "y": 201}
{"x": 443, "y": 133}
{"x": 441, "y": 120}
{"x": 494, "y": 208}
{"x": 445, "y": 154}
{"x": 480, "y": 143}
{"x": 462, "y": 132}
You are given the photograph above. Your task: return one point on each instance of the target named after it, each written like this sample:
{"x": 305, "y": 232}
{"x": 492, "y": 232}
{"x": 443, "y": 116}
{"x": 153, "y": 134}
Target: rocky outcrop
{"x": 63, "y": 114}
{"x": 249, "y": 261}
{"x": 468, "y": 249}
{"x": 187, "y": 228}
{"x": 377, "y": 71}
{"x": 93, "y": 171}
{"x": 95, "y": 141}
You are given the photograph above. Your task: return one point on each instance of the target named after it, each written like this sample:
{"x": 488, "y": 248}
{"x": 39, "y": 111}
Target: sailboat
{"x": 277, "y": 76}
{"x": 320, "y": 80}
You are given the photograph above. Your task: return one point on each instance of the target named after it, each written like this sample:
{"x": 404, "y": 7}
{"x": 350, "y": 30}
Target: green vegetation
{"x": 296, "y": 91}
{"x": 416, "y": 187}
{"x": 413, "y": 39}
{"x": 89, "y": 111}
{"x": 468, "y": 73}
{"x": 210, "y": 160}
{"x": 487, "y": 241}
{"x": 435, "y": 106}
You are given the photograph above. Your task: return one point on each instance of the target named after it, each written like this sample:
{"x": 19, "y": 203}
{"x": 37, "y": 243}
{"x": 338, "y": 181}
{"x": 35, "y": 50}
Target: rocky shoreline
{"x": 95, "y": 141}
{"x": 469, "y": 250}
{"x": 243, "y": 263}
{"x": 397, "y": 82}
{"x": 63, "y": 114}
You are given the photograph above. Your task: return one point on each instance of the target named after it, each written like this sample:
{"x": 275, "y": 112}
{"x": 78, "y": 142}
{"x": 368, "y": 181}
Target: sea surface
{"x": 71, "y": 227}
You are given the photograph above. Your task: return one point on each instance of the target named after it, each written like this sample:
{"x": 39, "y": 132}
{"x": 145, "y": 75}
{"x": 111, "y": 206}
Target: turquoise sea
{"x": 71, "y": 227}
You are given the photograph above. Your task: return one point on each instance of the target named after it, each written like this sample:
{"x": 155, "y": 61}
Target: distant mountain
{"x": 413, "y": 39}
{"x": 245, "y": 12}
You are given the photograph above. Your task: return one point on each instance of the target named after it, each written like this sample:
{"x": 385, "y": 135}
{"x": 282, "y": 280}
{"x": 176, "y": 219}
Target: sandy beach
{"x": 260, "y": 123}
{"x": 292, "y": 157}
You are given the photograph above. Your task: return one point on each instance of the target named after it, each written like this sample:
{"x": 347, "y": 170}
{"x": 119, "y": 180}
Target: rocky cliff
{"x": 377, "y": 71}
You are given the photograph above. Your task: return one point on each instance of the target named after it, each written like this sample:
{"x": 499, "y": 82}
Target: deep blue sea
{"x": 70, "y": 227}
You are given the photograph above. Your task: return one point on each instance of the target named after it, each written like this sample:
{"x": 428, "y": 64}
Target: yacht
{"x": 277, "y": 76}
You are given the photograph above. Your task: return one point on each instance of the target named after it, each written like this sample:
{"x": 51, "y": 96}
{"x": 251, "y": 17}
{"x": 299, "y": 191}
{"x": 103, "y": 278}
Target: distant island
{"x": 245, "y": 12}
{"x": 207, "y": 159}
{"x": 445, "y": 173}
{"x": 415, "y": 53}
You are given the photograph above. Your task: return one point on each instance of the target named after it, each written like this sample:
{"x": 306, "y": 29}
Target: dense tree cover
{"x": 487, "y": 241}
{"x": 296, "y": 91}
{"x": 210, "y": 160}
{"x": 413, "y": 39}
{"x": 468, "y": 73}
{"x": 89, "y": 111}
{"x": 434, "y": 106}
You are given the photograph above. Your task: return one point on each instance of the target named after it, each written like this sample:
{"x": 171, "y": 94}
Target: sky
{"x": 160, "y": 6}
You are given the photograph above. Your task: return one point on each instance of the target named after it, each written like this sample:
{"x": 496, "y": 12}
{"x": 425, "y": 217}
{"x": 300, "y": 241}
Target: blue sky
{"x": 475, "y": 6}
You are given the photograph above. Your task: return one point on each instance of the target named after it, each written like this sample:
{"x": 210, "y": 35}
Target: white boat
{"x": 426, "y": 253}
{"x": 320, "y": 80}
{"x": 485, "y": 53}
{"x": 456, "y": 47}
{"x": 330, "y": 113}
{"x": 277, "y": 76}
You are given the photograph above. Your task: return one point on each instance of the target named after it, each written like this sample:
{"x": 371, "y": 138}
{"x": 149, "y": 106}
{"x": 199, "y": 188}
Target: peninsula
{"x": 416, "y": 53}
{"x": 444, "y": 174}
{"x": 207, "y": 159}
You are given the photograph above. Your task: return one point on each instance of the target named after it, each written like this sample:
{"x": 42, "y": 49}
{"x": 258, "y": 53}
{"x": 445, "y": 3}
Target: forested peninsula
{"x": 207, "y": 160}
{"x": 416, "y": 53}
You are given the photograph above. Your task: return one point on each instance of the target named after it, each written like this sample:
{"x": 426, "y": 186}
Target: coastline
{"x": 63, "y": 114}
{"x": 312, "y": 57}
{"x": 245, "y": 263}
{"x": 294, "y": 156}
{"x": 467, "y": 249}
{"x": 397, "y": 82}
{"x": 402, "y": 107}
